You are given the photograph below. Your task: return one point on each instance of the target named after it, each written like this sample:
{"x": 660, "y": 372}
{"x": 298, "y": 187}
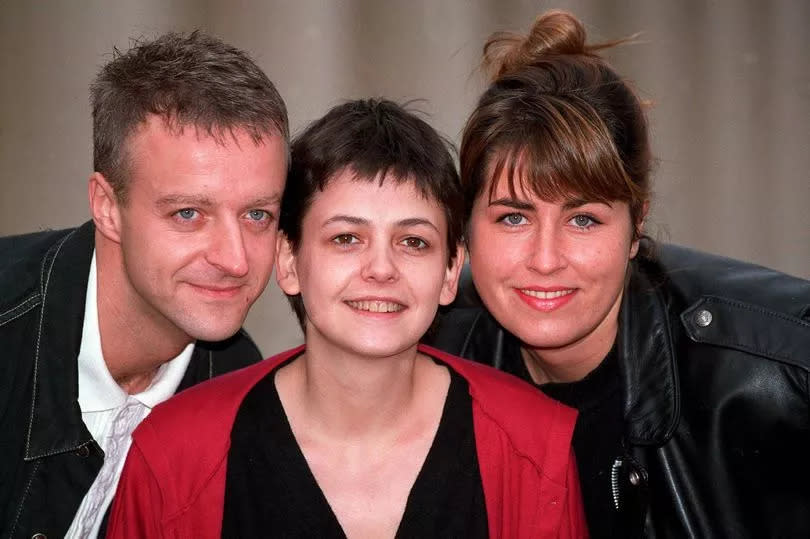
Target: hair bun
{"x": 553, "y": 32}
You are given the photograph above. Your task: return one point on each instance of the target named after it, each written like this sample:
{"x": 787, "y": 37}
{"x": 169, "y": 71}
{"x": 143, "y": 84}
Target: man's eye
{"x": 187, "y": 214}
{"x": 513, "y": 219}
{"x": 258, "y": 215}
{"x": 345, "y": 239}
{"x": 414, "y": 243}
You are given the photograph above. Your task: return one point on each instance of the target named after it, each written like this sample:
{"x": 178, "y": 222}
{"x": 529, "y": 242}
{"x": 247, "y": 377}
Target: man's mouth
{"x": 218, "y": 291}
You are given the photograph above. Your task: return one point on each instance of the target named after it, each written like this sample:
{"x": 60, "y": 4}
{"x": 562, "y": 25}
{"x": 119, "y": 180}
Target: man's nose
{"x": 227, "y": 250}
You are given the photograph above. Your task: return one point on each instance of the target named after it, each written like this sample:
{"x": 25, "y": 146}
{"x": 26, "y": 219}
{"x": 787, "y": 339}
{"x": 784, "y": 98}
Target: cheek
{"x": 261, "y": 251}
{"x": 605, "y": 261}
{"x": 320, "y": 274}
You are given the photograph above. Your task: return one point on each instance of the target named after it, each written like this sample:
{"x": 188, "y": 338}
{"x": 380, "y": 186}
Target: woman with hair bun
{"x": 690, "y": 371}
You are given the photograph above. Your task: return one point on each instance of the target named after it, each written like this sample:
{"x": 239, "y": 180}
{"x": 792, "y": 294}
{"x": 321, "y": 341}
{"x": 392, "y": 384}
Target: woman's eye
{"x": 345, "y": 239}
{"x": 583, "y": 221}
{"x": 514, "y": 219}
{"x": 186, "y": 214}
{"x": 414, "y": 243}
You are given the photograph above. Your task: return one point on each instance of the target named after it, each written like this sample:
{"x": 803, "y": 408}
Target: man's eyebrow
{"x": 512, "y": 203}
{"x": 265, "y": 201}
{"x": 416, "y": 221}
{"x": 185, "y": 200}
{"x": 202, "y": 201}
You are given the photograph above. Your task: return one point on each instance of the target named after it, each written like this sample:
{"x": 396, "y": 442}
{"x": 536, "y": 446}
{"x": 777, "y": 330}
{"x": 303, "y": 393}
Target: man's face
{"x": 198, "y": 228}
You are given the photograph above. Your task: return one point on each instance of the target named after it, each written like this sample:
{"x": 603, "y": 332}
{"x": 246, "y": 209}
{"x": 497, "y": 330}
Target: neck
{"x": 135, "y": 339}
{"x": 340, "y": 395}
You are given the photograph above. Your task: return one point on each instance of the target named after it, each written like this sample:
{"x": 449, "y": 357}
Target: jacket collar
{"x": 646, "y": 347}
{"x": 55, "y": 424}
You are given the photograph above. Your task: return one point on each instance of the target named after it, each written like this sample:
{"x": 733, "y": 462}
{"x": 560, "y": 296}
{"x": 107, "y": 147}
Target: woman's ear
{"x": 104, "y": 207}
{"x": 639, "y": 231}
{"x": 286, "y": 273}
{"x": 451, "y": 276}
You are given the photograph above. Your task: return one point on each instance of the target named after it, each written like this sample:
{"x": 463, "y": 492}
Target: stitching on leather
{"x": 45, "y": 283}
{"x": 719, "y": 340}
{"x": 757, "y": 309}
{"x": 20, "y": 309}
{"x": 22, "y": 500}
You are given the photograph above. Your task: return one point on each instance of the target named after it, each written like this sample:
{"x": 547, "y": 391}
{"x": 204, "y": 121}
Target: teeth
{"x": 376, "y": 306}
{"x": 546, "y": 295}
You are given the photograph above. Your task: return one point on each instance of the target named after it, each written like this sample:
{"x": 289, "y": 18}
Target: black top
{"x": 271, "y": 492}
{"x": 597, "y": 437}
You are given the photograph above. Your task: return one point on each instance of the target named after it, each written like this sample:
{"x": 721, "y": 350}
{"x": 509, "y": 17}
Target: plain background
{"x": 729, "y": 81}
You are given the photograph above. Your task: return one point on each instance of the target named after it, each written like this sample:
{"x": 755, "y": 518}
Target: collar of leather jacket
{"x": 668, "y": 297}
{"x": 647, "y": 363}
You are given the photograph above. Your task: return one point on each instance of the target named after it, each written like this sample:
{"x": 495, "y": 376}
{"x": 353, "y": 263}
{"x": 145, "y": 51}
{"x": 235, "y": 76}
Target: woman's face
{"x": 552, "y": 273}
{"x": 371, "y": 266}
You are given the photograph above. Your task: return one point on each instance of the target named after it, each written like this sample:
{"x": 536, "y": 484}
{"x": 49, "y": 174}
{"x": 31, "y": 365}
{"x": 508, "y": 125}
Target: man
{"x": 100, "y": 323}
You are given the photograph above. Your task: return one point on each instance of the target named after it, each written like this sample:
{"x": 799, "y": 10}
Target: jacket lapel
{"x": 55, "y": 424}
{"x": 647, "y": 363}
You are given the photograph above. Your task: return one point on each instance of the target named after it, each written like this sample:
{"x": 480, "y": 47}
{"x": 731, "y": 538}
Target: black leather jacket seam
{"x": 54, "y": 452}
{"x": 752, "y": 350}
{"x": 757, "y": 309}
{"x": 23, "y": 498}
{"x": 49, "y": 262}
{"x": 20, "y": 309}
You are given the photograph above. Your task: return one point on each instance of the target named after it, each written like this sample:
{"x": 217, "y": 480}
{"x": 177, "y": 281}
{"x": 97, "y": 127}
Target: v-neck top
{"x": 271, "y": 491}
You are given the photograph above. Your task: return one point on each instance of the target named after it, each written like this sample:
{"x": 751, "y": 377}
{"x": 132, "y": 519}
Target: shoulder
{"x": 695, "y": 273}
{"x": 23, "y": 261}
{"x": 735, "y": 304}
{"x": 23, "y": 254}
{"x": 524, "y": 413}
{"x": 212, "y": 404}
{"x": 187, "y": 437}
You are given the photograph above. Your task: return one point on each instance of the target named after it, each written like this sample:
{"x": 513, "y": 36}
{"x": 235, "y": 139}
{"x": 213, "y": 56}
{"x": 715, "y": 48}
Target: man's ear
{"x": 645, "y": 208}
{"x": 104, "y": 207}
{"x": 451, "y": 276}
{"x": 286, "y": 273}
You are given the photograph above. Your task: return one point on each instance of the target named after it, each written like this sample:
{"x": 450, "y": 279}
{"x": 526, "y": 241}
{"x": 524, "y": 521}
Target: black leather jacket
{"x": 714, "y": 358}
{"x": 48, "y": 460}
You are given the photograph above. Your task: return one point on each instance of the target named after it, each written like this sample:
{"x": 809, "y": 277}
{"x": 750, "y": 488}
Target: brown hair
{"x": 559, "y": 119}
{"x": 378, "y": 141}
{"x": 189, "y": 80}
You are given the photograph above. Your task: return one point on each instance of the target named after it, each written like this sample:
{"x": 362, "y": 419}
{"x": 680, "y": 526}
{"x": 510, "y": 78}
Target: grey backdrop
{"x": 730, "y": 82}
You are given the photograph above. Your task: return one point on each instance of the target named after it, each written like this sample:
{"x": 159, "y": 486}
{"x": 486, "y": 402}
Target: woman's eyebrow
{"x": 416, "y": 221}
{"x": 352, "y": 220}
{"x": 578, "y": 202}
{"x": 512, "y": 203}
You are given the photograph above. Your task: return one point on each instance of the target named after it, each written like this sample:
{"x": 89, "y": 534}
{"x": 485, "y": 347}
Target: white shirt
{"x": 110, "y": 414}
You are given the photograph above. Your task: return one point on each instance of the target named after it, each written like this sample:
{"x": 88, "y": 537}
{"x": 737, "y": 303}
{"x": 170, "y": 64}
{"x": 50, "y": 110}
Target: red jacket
{"x": 173, "y": 483}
